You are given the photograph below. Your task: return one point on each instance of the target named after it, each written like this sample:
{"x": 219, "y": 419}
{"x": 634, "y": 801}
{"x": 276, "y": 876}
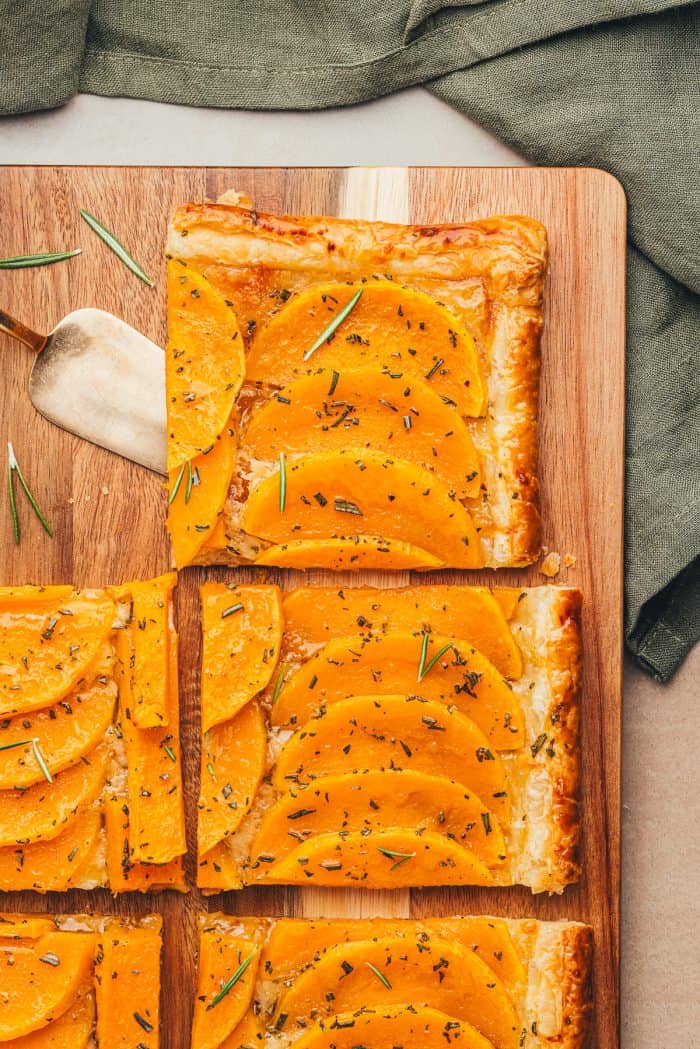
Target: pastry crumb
{"x": 551, "y": 564}
{"x": 569, "y": 560}
{"x": 104, "y": 489}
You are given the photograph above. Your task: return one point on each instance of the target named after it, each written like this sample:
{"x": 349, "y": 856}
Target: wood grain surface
{"x": 108, "y": 515}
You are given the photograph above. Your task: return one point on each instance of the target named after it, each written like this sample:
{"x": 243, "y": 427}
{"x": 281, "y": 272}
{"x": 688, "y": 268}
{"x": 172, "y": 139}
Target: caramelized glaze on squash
{"x": 352, "y": 554}
{"x": 220, "y": 957}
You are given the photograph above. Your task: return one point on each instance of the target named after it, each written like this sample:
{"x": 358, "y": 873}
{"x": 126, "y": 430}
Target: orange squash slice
{"x": 204, "y": 363}
{"x": 360, "y": 551}
{"x": 64, "y": 732}
{"x": 42, "y": 811}
{"x": 384, "y": 859}
{"x": 24, "y": 928}
{"x": 46, "y": 649}
{"x": 315, "y": 615}
{"x": 218, "y": 870}
{"x": 394, "y": 732}
{"x": 151, "y": 635}
{"x": 52, "y": 865}
{"x": 424, "y": 972}
{"x": 40, "y": 982}
{"x": 391, "y": 326}
{"x": 72, "y": 1030}
{"x": 389, "y": 1026}
{"x": 367, "y": 409}
{"x": 389, "y": 665}
{"x": 125, "y": 875}
{"x": 221, "y": 956}
{"x": 128, "y": 988}
{"x": 242, "y": 632}
{"x": 197, "y": 506}
{"x": 234, "y": 756}
{"x": 377, "y": 800}
{"x": 339, "y": 494}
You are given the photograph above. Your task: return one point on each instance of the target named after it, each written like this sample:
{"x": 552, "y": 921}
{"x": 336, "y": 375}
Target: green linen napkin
{"x": 604, "y": 83}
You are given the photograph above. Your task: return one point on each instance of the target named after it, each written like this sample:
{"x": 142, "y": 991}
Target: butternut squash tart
{"x": 473, "y": 982}
{"x": 78, "y": 980}
{"x": 90, "y": 785}
{"x": 348, "y": 394}
{"x": 383, "y": 738}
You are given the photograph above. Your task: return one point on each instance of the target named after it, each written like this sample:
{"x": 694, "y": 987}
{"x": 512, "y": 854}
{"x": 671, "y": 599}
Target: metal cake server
{"x": 102, "y": 380}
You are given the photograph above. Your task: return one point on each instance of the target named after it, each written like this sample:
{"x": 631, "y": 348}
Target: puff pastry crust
{"x": 489, "y": 274}
{"x": 327, "y": 678}
{"x": 539, "y": 977}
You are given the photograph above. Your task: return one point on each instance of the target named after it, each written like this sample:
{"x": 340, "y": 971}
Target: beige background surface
{"x": 661, "y": 842}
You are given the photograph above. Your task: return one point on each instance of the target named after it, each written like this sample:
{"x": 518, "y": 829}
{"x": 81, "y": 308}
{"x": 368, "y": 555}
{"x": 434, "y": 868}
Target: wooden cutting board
{"x": 108, "y": 514}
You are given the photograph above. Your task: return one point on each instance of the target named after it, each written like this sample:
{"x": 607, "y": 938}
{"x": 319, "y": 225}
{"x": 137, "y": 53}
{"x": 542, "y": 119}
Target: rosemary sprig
{"x": 278, "y": 685}
{"x": 233, "y": 980}
{"x": 11, "y": 746}
{"x": 283, "y": 482}
{"x": 335, "y": 323}
{"x": 189, "y": 482}
{"x": 423, "y": 667}
{"x": 379, "y": 974}
{"x": 45, "y": 258}
{"x": 176, "y": 487}
{"x": 14, "y": 468}
{"x": 41, "y": 762}
{"x": 400, "y": 857}
{"x": 119, "y": 250}
{"x": 169, "y": 751}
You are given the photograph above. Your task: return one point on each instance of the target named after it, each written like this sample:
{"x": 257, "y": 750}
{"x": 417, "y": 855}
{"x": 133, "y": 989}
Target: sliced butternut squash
{"x": 221, "y": 957}
{"x": 52, "y": 865}
{"x": 293, "y": 943}
{"x": 508, "y": 597}
{"x": 23, "y": 927}
{"x": 340, "y": 494}
{"x": 151, "y": 631}
{"x": 218, "y": 870}
{"x": 379, "y": 800}
{"x": 395, "y": 732}
{"x": 389, "y": 665}
{"x": 64, "y": 733}
{"x": 424, "y": 972}
{"x": 402, "y": 330}
{"x": 156, "y": 812}
{"x": 128, "y": 988}
{"x": 389, "y": 1026}
{"x": 234, "y": 756}
{"x": 124, "y": 875}
{"x": 384, "y": 859}
{"x": 39, "y": 982}
{"x": 361, "y": 551}
{"x": 196, "y": 508}
{"x": 42, "y": 811}
{"x": 46, "y": 649}
{"x": 242, "y": 634}
{"x": 315, "y": 615}
{"x": 72, "y": 1030}
{"x": 204, "y": 363}
{"x": 368, "y": 409}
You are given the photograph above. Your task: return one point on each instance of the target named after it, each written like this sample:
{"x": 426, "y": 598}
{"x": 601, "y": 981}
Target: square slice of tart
{"x": 90, "y": 781}
{"x": 386, "y": 738}
{"x": 349, "y": 394}
{"x": 474, "y": 982}
{"x": 76, "y": 981}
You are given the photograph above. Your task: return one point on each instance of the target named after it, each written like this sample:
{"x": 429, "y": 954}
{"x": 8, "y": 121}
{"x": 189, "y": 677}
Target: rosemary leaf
{"x": 169, "y": 751}
{"x": 433, "y": 661}
{"x": 41, "y": 762}
{"x": 119, "y": 250}
{"x": 189, "y": 482}
{"x": 178, "y": 481}
{"x": 231, "y": 610}
{"x": 233, "y": 980}
{"x": 423, "y": 654}
{"x": 380, "y": 975}
{"x": 11, "y": 746}
{"x": 15, "y": 468}
{"x": 278, "y": 685}
{"x": 335, "y": 323}
{"x": 13, "y": 504}
{"x": 283, "y": 482}
{"x": 47, "y": 258}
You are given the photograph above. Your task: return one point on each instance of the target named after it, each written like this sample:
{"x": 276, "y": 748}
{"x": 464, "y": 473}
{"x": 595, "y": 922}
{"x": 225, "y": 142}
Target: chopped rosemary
{"x": 536, "y": 747}
{"x": 438, "y": 364}
{"x": 231, "y": 610}
{"x": 169, "y": 751}
{"x": 19, "y": 743}
{"x": 278, "y": 685}
{"x": 41, "y": 762}
{"x": 335, "y": 323}
{"x": 47, "y": 258}
{"x": 334, "y": 382}
{"x": 189, "y": 482}
{"x": 145, "y": 1024}
{"x": 344, "y": 506}
{"x": 283, "y": 482}
{"x": 14, "y": 468}
{"x": 50, "y": 959}
{"x": 233, "y": 980}
{"x": 178, "y": 481}
{"x": 380, "y": 975}
{"x": 119, "y": 250}
{"x": 400, "y": 857}
{"x": 423, "y": 667}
